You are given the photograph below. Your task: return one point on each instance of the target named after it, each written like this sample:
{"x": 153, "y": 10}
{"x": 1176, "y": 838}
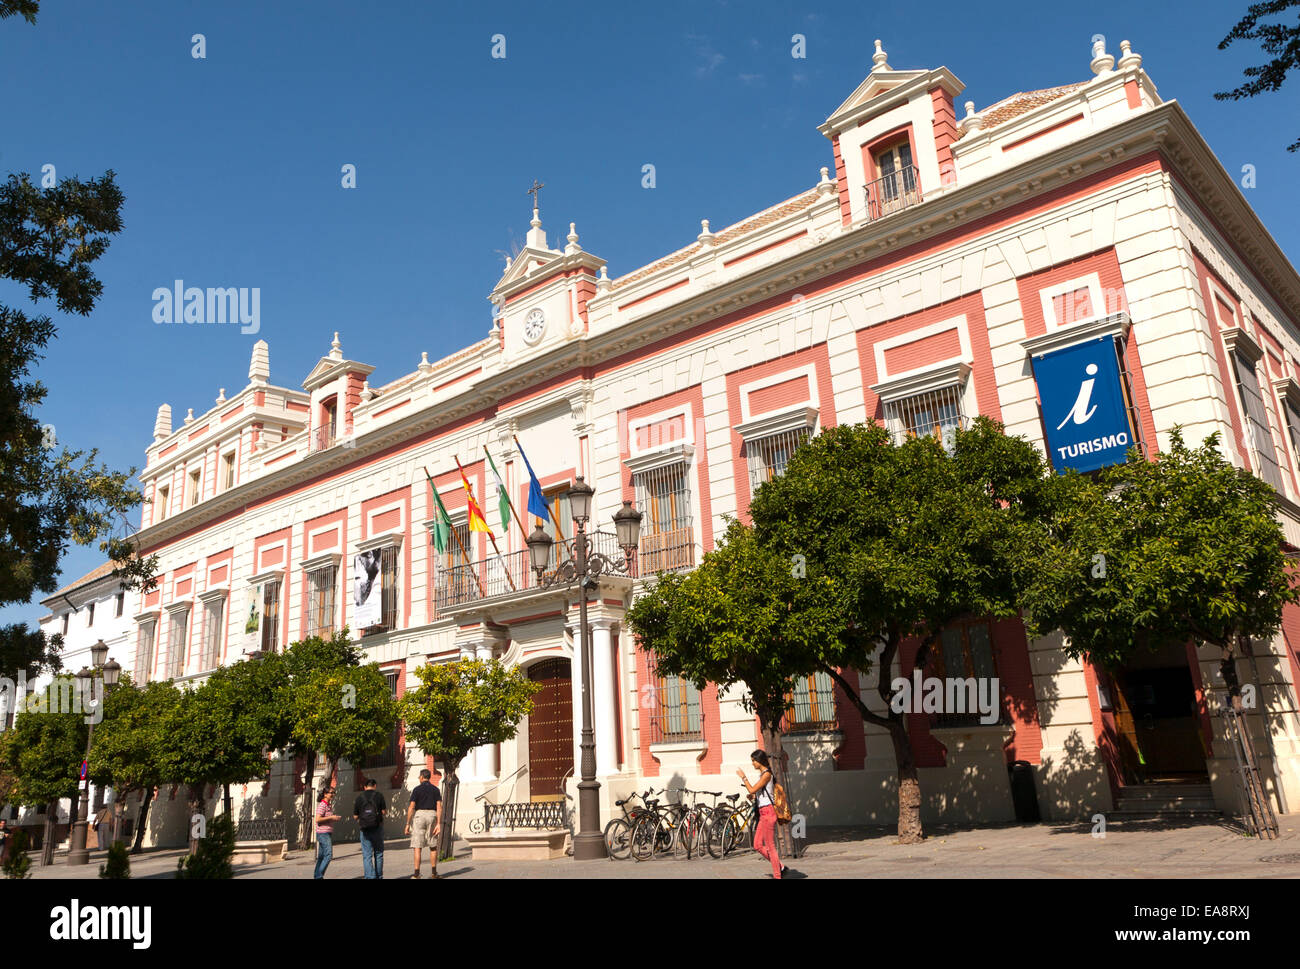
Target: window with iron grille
{"x": 214, "y": 613}
{"x": 677, "y": 711}
{"x": 768, "y": 456}
{"x": 667, "y": 537}
{"x": 388, "y": 574}
{"x": 1258, "y": 437}
{"x": 118, "y": 604}
{"x": 144, "y": 651}
{"x": 388, "y": 756}
{"x": 321, "y": 585}
{"x": 1292, "y": 416}
{"x": 930, "y": 412}
{"x": 811, "y": 705}
{"x": 271, "y": 616}
{"x": 178, "y": 645}
{"x": 964, "y": 651}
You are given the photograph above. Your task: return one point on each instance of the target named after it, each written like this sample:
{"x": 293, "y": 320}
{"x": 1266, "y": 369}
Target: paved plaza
{"x": 1130, "y": 849}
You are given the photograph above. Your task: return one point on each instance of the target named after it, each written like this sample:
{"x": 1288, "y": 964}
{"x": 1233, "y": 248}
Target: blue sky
{"x": 231, "y": 164}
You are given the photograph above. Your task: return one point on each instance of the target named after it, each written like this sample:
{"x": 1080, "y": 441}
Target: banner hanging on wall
{"x": 366, "y": 589}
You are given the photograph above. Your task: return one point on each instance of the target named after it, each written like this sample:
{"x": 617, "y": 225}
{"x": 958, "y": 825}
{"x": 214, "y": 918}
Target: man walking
{"x": 369, "y": 813}
{"x": 424, "y": 818}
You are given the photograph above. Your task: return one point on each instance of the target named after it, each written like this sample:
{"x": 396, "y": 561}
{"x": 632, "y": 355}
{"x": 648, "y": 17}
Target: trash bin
{"x": 1023, "y": 797}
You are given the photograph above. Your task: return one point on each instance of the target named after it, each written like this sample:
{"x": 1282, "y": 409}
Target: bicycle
{"x": 618, "y": 833}
{"x": 657, "y": 830}
{"x": 734, "y": 829}
{"x": 696, "y": 821}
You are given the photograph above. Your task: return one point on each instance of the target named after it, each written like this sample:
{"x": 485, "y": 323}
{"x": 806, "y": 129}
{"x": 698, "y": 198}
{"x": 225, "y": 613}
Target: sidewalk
{"x": 1133, "y": 849}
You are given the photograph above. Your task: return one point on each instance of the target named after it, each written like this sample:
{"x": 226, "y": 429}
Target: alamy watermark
{"x": 953, "y": 694}
{"x": 64, "y": 695}
{"x": 216, "y": 304}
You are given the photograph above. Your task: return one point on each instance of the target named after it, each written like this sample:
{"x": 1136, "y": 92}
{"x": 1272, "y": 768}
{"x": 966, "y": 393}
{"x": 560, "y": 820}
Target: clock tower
{"x": 541, "y": 300}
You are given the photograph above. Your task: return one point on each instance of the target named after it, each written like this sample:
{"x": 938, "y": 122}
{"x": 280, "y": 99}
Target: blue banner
{"x": 1084, "y": 410}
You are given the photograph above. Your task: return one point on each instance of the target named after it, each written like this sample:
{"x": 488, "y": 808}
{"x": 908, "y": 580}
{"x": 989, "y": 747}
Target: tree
{"x": 302, "y": 660}
{"x": 746, "y": 615}
{"x": 212, "y": 857}
{"x": 29, "y": 650}
{"x": 252, "y": 696}
{"x": 1281, "y": 41}
{"x": 906, "y": 538}
{"x": 459, "y": 706}
{"x": 129, "y": 745}
{"x": 50, "y": 238}
{"x": 43, "y": 751}
{"x": 1159, "y": 553}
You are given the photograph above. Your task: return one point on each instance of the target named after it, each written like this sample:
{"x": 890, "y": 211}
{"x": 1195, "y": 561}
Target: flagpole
{"x": 464, "y": 554}
{"x": 551, "y": 514}
{"x": 510, "y": 503}
{"x": 492, "y": 538}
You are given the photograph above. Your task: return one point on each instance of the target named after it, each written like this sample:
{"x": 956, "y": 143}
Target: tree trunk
{"x": 770, "y": 730}
{"x": 305, "y": 825}
{"x": 1228, "y": 670}
{"x": 47, "y": 843}
{"x": 451, "y": 783}
{"x": 198, "y": 805}
{"x": 144, "y": 816}
{"x": 227, "y": 800}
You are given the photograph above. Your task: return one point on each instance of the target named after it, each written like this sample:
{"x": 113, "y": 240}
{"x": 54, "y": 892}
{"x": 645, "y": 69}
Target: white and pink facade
{"x": 938, "y": 253}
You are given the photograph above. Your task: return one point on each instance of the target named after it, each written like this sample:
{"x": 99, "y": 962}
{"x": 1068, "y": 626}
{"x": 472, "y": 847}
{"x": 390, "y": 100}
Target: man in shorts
{"x": 424, "y": 821}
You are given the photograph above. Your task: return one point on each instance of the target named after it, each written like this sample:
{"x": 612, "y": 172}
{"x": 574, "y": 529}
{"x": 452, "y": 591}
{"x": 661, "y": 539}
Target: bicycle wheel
{"x": 618, "y": 839}
{"x": 644, "y": 836}
{"x": 683, "y": 834}
{"x": 717, "y": 833}
{"x": 734, "y": 834}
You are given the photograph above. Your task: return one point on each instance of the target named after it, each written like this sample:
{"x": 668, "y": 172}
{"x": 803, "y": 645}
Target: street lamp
{"x": 584, "y": 568}
{"x": 77, "y": 853}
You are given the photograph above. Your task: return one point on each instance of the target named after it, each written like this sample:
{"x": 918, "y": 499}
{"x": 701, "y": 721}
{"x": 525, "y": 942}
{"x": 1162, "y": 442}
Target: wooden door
{"x": 550, "y": 730}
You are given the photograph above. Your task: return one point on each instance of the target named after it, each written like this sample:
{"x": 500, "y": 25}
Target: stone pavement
{"x": 1131, "y": 849}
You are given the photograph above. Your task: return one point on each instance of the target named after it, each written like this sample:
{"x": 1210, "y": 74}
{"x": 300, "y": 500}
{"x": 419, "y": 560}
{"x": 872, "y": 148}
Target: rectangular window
{"x": 457, "y": 574}
{"x": 767, "y": 457}
{"x": 118, "y": 604}
{"x": 388, "y": 574}
{"x": 558, "y": 500}
{"x": 964, "y": 651}
{"x": 388, "y": 756}
{"x": 895, "y": 186}
{"x": 271, "y": 617}
{"x": 321, "y": 585}
{"x": 1258, "y": 437}
{"x": 676, "y": 715}
{"x": 1292, "y": 417}
{"x": 931, "y": 412}
{"x": 144, "y": 652}
{"x": 90, "y": 615}
{"x": 667, "y": 537}
{"x": 178, "y": 645}
{"x": 66, "y": 616}
{"x": 196, "y": 486}
{"x": 163, "y": 494}
{"x": 213, "y": 626}
{"x": 228, "y": 471}
{"x": 811, "y": 706}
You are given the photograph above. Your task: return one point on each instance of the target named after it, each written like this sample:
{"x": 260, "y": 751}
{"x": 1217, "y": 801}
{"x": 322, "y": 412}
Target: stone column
{"x": 485, "y": 757}
{"x": 575, "y": 673}
{"x": 469, "y": 767}
{"x": 603, "y": 698}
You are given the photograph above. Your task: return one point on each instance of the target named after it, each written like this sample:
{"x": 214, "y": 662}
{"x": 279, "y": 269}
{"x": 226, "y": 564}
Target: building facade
{"x": 941, "y": 265}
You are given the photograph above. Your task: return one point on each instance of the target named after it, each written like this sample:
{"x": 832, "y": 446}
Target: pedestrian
{"x": 764, "y": 793}
{"x": 5, "y": 836}
{"x": 103, "y": 822}
{"x": 424, "y": 817}
{"x": 325, "y": 818}
{"x": 369, "y": 813}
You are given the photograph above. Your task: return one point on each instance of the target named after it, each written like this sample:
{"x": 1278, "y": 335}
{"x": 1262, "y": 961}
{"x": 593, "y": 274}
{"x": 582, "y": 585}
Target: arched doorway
{"x": 550, "y": 730}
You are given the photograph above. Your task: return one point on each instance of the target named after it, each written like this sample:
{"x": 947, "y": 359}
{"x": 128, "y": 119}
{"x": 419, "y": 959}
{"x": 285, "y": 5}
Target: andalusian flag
{"x": 477, "y": 523}
{"x": 442, "y": 527}
{"x": 503, "y": 497}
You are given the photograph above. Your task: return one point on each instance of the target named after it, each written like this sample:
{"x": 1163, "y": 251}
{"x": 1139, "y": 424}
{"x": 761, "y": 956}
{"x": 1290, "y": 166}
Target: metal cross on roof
{"x": 536, "y": 190}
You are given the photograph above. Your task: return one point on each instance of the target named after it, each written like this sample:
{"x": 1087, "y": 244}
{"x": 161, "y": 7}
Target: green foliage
{"x": 19, "y": 863}
{"x": 1192, "y": 551}
{"x": 343, "y": 712}
{"x": 210, "y": 740}
{"x": 118, "y": 864}
{"x": 28, "y": 650}
{"x": 212, "y": 859}
{"x": 465, "y": 704}
{"x": 128, "y": 750}
{"x": 23, "y": 8}
{"x": 43, "y": 751}
{"x": 314, "y": 654}
{"x": 1280, "y": 40}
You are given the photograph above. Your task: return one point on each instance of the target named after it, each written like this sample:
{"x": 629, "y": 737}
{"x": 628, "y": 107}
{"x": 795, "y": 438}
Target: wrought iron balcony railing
{"x": 893, "y": 192}
{"x": 326, "y": 435}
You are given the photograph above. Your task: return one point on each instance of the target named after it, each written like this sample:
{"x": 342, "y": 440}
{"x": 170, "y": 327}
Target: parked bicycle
{"x": 618, "y": 833}
{"x": 733, "y": 827}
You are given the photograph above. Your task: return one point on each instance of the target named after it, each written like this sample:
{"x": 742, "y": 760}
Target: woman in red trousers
{"x": 763, "y": 792}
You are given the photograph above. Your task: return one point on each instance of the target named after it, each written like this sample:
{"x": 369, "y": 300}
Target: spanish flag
{"x": 477, "y": 523}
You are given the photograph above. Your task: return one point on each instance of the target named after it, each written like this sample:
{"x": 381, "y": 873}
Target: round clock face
{"x": 534, "y": 325}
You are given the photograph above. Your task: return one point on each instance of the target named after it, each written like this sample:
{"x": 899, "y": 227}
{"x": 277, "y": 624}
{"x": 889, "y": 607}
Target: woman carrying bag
{"x": 766, "y": 794}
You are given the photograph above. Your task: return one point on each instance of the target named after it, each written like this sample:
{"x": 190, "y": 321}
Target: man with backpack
{"x": 369, "y": 813}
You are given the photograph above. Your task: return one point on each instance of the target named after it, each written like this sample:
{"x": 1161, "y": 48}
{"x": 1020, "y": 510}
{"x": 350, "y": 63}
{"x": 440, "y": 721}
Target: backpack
{"x": 780, "y": 802}
{"x": 369, "y": 816}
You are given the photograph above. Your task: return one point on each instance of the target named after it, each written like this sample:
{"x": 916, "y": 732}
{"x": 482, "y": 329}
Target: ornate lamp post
{"x": 584, "y": 568}
{"x": 77, "y": 853}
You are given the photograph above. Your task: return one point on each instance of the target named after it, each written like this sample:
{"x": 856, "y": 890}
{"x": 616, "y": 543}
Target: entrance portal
{"x": 550, "y": 730}
{"x": 1158, "y": 720}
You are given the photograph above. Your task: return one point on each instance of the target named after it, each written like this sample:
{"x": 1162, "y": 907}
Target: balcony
{"x": 893, "y": 192}
{"x": 511, "y": 575}
{"x": 323, "y": 437}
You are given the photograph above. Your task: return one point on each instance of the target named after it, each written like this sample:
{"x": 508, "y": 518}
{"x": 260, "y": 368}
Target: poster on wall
{"x": 366, "y": 589}
{"x": 253, "y": 619}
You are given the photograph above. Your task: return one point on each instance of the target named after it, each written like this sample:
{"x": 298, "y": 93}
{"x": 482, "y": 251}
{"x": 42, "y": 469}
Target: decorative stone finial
{"x": 259, "y": 368}
{"x": 366, "y": 392}
{"x": 536, "y": 236}
{"x": 189, "y": 416}
{"x": 825, "y": 186}
{"x": 508, "y": 262}
{"x": 972, "y": 121}
{"x": 879, "y": 60}
{"x": 1102, "y": 63}
{"x": 425, "y": 365}
{"x": 336, "y": 348}
{"x": 221, "y": 396}
{"x": 162, "y": 425}
{"x": 604, "y": 283}
{"x": 573, "y": 246}
{"x": 1128, "y": 60}
{"x": 705, "y": 235}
